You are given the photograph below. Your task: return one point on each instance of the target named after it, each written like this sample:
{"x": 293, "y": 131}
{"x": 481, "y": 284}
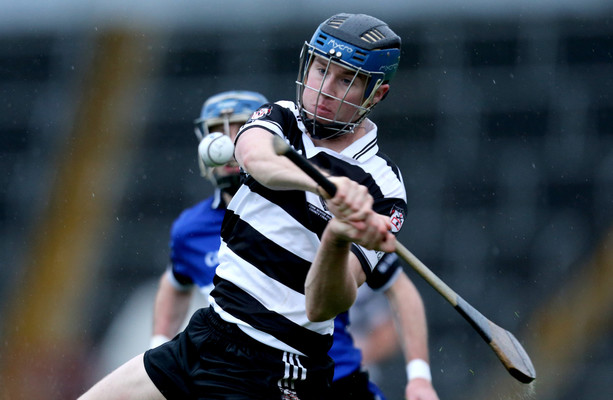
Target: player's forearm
{"x": 410, "y": 316}
{"x": 170, "y": 309}
{"x": 255, "y": 154}
{"x": 331, "y": 283}
{"x": 381, "y": 343}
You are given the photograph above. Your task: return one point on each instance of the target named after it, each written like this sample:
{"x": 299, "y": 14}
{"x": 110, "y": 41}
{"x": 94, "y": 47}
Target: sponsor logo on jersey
{"x": 319, "y": 212}
{"x": 397, "y": 218}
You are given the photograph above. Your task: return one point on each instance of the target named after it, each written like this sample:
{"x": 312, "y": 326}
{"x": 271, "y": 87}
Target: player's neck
{"x": 340, "y": 143}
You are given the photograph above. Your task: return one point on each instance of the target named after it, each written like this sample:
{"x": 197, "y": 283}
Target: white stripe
{"x": 385, "y": 177}
{"x": 275, "y": 223}
{"x": 271, "y": 294}
{"x": 269, "y": 125}
{"x": 288, "y": 368}
{"x": 294, "y": 371}
{"x": 303, "y": 371}
{"x": 293, "y": 362}
{"x": 286, "y": 382}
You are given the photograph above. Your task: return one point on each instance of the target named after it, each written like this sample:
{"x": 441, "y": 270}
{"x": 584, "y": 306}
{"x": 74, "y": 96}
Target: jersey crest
{"x": 260, "y": 113}
{"x": 397, "y": 219}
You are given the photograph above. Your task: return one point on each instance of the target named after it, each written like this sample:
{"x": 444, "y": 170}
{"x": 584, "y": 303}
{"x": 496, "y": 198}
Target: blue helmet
{"x": 360, "y": 43}
{"x": 221, "y": 110}
{"x": 234, "y": 106}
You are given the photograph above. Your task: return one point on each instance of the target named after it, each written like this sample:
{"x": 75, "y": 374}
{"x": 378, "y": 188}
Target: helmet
{"x": 223, "y": 109}
{"x": 226, "y": 108}
{"x": 360, "y": 43}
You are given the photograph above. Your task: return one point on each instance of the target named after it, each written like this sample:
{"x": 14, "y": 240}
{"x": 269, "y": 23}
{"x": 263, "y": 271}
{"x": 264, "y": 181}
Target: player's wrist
{"x": 157, "y": 340}
{"x": 418, "y": 368}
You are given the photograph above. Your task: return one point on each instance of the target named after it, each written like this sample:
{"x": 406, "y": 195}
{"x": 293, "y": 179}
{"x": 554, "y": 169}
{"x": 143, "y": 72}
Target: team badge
{"x": 260, "y": 113}
{"x": 397, "y": 218}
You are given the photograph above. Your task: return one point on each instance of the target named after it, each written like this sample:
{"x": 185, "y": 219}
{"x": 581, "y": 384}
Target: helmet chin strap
{"x": 228, "y": 184}
{"x": 317, "y": 130}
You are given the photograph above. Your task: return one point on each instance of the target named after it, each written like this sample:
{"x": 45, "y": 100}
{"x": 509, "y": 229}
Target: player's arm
{"x": 254, "y": 153}
{"x": 336, "y": 273}
{"x": 170, "y": 308}
{"x": 334, "y": 277}
{"x": 410, "y": 316}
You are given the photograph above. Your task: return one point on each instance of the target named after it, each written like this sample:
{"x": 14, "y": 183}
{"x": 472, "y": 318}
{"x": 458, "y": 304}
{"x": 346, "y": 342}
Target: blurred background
{"x": 500, "y": 118}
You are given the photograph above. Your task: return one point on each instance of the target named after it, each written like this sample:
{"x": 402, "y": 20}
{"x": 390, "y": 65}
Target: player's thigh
{"x": 129, "y": 381}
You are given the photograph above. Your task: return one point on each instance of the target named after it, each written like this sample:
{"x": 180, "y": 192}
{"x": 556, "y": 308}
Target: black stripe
{"x": 385, "y": 206}
{"x": 274, "y": 261}
{"x": 363, "y": 261}
{"x": 368, "y": 146}
{"x": 338, "y": 167}
{"x": 244, "y": 307}
{"x": 293, "y": 202}
{"x": 390, "y": 164}
{"x": 384, "y": 271}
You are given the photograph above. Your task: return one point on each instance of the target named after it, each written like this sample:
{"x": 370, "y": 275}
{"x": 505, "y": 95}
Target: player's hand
{"x": 355, "y": 219}
{"x": 352, "y": 201}
{"x": 420, "y": 389}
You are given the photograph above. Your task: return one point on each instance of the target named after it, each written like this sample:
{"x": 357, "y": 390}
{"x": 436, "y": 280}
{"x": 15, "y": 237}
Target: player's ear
{"x": 380, "y": 93}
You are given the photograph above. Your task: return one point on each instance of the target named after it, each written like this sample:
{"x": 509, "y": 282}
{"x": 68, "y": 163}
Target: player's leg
{"x": 129, "y": 381}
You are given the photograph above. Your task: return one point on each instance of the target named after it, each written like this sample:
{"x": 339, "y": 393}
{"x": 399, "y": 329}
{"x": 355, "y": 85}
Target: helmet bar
{"x": 235, "y": 106}
{"x": 226, "y": 108}
{"x": 322, "y": 127}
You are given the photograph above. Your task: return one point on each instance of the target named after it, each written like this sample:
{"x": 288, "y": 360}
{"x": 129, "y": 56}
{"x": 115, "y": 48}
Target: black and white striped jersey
{"x": 270, "y": 238}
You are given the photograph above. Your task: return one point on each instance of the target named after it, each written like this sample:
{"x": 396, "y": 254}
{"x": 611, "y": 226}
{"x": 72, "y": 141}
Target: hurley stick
{"x": 506, "y": 347}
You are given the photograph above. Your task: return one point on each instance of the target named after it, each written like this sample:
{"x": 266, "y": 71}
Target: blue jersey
{"x": 194, "y": 244}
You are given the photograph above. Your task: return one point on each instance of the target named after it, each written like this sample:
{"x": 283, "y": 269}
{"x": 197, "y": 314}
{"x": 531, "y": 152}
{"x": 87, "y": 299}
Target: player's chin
{"x": 322, "y": 115}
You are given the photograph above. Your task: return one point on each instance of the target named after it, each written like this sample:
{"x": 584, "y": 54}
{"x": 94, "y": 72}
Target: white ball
{"x": 216, "y": 149}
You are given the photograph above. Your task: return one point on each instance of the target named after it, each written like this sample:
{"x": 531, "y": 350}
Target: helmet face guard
{"x": 359, "y": 43}
{"x": 223, "y": 110}
{"x": 235, "y": 106}
{"x": 326, "y": 128}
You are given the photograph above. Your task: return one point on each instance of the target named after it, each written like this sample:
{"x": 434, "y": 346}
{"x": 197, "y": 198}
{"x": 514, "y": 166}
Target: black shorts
{"x": 212, "y": 359}
{"x": 356, "y": 386}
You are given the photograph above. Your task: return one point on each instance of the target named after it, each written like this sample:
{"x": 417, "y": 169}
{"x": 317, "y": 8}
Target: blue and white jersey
{"x": 194, "y": 244}
{"x": 270, "y": 238}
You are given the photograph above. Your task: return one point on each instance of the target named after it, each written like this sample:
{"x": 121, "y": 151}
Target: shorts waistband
{"x": 235, "y": 334}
